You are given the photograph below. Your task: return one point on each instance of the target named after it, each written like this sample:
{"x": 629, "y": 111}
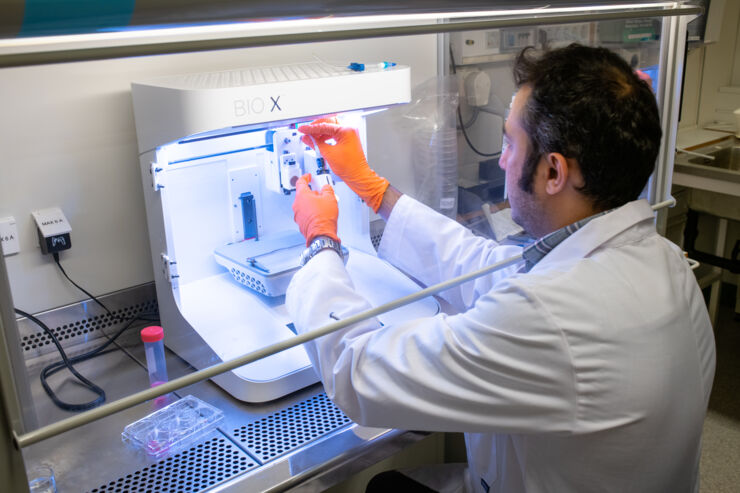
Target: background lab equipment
{"x": 219, "y": 160}
{"x": 203, "y": 167}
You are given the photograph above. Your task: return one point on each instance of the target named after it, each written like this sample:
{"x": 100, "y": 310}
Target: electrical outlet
{"x": 53, "y": 230}
{"x": 9, "y": 236}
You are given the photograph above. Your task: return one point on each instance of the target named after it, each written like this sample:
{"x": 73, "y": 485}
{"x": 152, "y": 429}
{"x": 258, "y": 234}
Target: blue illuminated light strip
{"x": 218, "y": 135}
{"x": 216, "y": 154}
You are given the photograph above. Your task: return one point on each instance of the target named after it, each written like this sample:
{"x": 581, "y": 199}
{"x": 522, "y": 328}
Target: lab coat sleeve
{"x": 433, "y": 248}
{"x": 497, "y": 367}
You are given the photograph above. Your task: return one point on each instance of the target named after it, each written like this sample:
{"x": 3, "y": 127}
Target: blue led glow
{"x": 218, "y": 135}
{"x": 206, "y": 156}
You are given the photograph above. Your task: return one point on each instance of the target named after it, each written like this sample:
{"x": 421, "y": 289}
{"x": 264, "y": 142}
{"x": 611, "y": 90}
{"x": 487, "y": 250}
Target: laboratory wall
{"x": 711, "y": 93}
{"x": 486, "y": 130}
{"x": 711, "y": 89}
{"x": 720, "y": 84}
{"x": 68, "y": 140}
{"x": 691, "y": 88}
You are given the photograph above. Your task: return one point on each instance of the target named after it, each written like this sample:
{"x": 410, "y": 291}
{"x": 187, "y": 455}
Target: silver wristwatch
{"x": 320, "y": 243}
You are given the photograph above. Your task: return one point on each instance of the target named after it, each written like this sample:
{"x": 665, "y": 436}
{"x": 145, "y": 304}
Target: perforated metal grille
{"x": 249, "y": 281}
{"x": 87, "y": 325}
{"x": 290, "y": 428}
{"x": 192, "y": 470}
{"x": 376, "y": 232}
{"x": 376, "y": 240}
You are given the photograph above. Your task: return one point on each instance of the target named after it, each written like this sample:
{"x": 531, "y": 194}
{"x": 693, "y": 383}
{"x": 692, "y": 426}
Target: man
{"x": 588, "y": 366}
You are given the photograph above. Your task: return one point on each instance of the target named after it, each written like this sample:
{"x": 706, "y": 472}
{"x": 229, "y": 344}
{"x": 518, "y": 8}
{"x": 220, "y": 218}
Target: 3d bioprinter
{"x": 219, "y": 158}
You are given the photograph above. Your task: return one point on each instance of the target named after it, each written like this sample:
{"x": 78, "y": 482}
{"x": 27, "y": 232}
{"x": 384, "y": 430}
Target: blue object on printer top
{"x": 360, "y": 67}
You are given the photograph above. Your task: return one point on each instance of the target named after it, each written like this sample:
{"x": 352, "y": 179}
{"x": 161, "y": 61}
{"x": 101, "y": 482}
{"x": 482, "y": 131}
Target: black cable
{"x": 110, "y": 315}
{"x": 59, "y": 264}
{"x": 113, "y": 318}
{"x": 56, "y": 367}
{"x": 96, "y": 300}
{"x": 459, "y": 117}
{"x": 467, "y": 139}
{"x": 68, "y": 363}
{"x": 473, "y": 118}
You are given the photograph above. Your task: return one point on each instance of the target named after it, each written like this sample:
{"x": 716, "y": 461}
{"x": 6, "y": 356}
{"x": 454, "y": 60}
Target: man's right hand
{"x": 346, "y": 158}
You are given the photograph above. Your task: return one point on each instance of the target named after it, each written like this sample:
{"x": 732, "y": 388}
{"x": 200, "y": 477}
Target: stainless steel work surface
{"x": 718, "y": 162}
{"x": 300, "y": 442}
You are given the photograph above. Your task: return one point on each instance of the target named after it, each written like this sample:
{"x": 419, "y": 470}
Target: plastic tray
{"x": 172, "y": 428}
{"x": 265, "y": 266}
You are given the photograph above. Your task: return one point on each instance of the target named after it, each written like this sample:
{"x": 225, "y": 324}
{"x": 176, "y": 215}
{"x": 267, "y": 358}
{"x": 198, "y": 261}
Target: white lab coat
{"x": 592, "y": 372}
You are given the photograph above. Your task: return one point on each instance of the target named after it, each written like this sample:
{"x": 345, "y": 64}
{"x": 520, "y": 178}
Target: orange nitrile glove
{"x": 346, "y": 158}
{"x": 315, "y": 212}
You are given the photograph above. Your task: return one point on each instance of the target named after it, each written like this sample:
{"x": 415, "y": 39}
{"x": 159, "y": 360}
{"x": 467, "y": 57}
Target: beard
{"x": 528, "y": 210}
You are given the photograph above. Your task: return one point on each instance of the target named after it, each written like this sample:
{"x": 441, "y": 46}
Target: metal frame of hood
{"x": 17, "y": 52}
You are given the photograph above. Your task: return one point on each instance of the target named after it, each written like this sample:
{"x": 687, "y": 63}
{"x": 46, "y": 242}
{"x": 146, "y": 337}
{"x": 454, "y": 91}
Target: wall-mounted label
{"x": 9, "y": 236}
{"x": 51, "y": 222}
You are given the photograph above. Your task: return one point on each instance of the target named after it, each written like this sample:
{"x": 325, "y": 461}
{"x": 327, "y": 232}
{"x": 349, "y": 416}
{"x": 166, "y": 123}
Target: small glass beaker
{"x": 41, "y": 479}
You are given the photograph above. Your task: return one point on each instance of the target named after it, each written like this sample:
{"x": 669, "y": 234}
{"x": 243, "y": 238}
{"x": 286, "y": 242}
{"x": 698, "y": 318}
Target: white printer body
{"x": 219, "y": 156}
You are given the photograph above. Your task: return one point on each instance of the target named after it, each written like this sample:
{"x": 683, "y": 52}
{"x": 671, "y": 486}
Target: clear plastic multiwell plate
{"x": 173, "y": 427}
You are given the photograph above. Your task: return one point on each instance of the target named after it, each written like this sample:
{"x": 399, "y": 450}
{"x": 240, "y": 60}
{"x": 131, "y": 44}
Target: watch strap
{"x": 318, "y": 244}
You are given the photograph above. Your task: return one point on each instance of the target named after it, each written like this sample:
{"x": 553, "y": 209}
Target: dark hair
{"x": 589, "y": 105}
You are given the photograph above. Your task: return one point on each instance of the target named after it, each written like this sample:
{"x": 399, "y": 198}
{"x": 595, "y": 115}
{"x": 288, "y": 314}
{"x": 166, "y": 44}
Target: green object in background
{"x": 629, "y": 31}
{"x": 639, "y": 30}
{"x": 49, "y": 17}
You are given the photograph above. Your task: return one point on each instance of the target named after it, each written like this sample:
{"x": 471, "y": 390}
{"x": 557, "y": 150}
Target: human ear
{"x": 557, "y": 173}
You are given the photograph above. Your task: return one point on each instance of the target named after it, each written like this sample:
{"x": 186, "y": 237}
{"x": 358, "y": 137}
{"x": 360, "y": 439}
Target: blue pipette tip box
{"x": 172, "y": 428}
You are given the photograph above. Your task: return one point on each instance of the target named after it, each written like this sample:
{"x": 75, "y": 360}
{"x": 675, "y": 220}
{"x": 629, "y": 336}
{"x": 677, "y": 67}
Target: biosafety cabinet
{"x": 220, "y": 155}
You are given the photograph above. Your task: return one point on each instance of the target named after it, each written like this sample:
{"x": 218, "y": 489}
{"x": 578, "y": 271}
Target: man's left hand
{"x": 315, "y": 212}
